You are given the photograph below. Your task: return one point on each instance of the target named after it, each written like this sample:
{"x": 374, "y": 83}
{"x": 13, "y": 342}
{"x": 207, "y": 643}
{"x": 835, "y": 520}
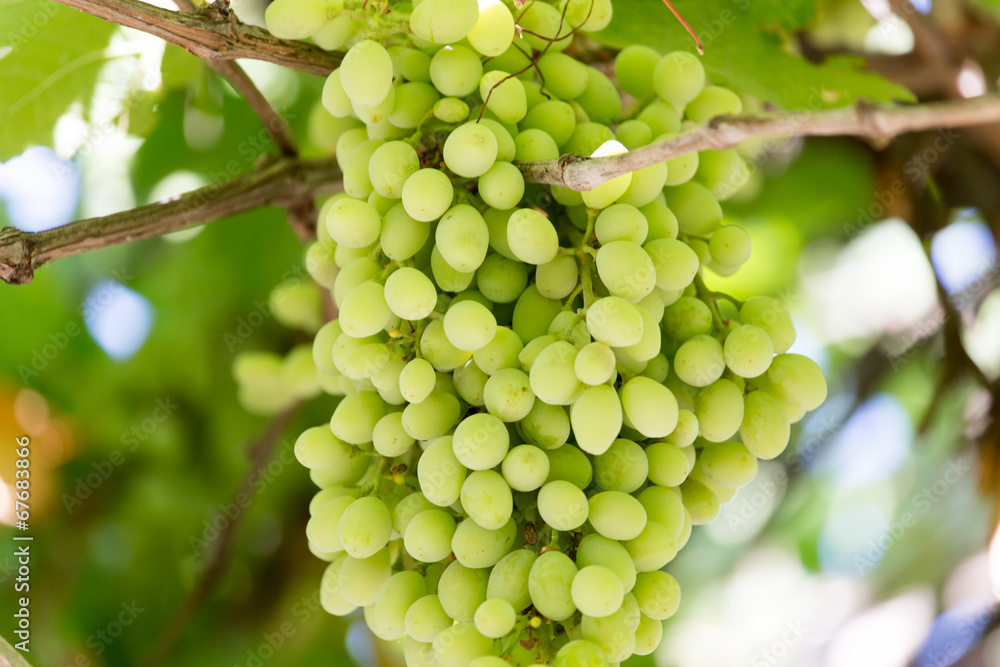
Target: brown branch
{"x": 213, "y": 34}
{"x": 863, "y": 120}
{"x": 281, "y": 182}
{"x": 260, "y": 452}
{"x": 281, "y": 134}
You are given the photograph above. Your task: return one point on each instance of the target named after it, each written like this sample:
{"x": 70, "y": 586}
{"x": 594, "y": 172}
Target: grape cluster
{"x": 539, "y": 395}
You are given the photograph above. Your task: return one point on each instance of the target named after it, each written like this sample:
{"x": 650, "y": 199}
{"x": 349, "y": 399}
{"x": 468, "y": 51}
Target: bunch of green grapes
{"x": 538, "y": 397}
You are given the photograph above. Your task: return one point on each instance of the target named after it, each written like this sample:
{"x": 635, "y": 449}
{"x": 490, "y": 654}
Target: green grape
{"x": 362, "y": 578}
{"x": 675, "y": 263}
{"x": 470, "y": 383}
{"x": 563, "y": 76}
{"x": 765, "y": 430}
{"x": 729, "y": 464}
{"x": 494, "y": 30}
{"x": 377, "y": 115}
{"x": 699, "y": 361}
{"x": 417, "y": 653}
{"x": 525, "y": 468}
{"x": 503, "y": 94}
{"x": 322, "y": 527}
{"x": 633, "y": 69}
{"x": 386, "y": 381}
{"x": 623, "y": 467}
{"x": 773, "y": 317}
{"x": 595, "y": 549}
{"x": 391, "y": 165}
{"x": 462, "y": 238}
{"x": 647, "y": 185}
{"x": 587, "y": 137}
{"x": 505, "y": 141}
{"x": 432, "y": 417}
{"x": 364, "y": 311}
{"x": 416, "y": 381}
{"x": 500, "y": 353}
{"x": 600, "y": 99}
{"x": 661, "y": 221}
{"x": 713, "y": 101}
{"x": 571, "y": 327}
{"x": 719, "y": 408}
{"x": 796, "y": 380}
{"x": 649, "y": 407}
{"x": 501, "y": 280}
{"x": 562, "y": 505}
{"x": 428, "y": 536}
{"x": 325, "y": 495}
{"x": 544, "y": 27}
{"x": 596, "y": 419}
{"x": 354, "y": 273}
{"x": 678, "y": 78}
{"x": 650, "y": 343}
{"x": 320, "y": 263}
{"x": 357, "y": 183}
{"x": 389, "y": 437}
{"x": 469, "y": 325}
{"x": 594, "y": 364}
{"x": 410, "y": 294}
{"x": 355, "y": 417}
{"x": 724, "y": 173}
{"x": 535, "y": 145}
{"x": 393, "y": 601}
{"x": 648, "y": 636}
{"x": 553, "y": 117}
{"x": 588, "y": 15}
{"x": 531, "y": 237}
{"x": 426, "y": 618}
{"x": 668, "y": 466}
{"x": 569, "y": 464}
{"x": 451, "y": 110}
{"x": 348, "y": 141}
{"x": 626, "y": 269}
{"x": 653, "y": 548}
{"x": 614, "y": 321}
{"x": 662, "y": 119}
{"x": 579, "y": 653}
{"x": 502, "y": 186}
{"x": 614, "y": 634}
{"x": 534, "y": 348}
{"x": 682, "y": 168}
{"x": 365, "y": 527}
{"x": 748, "y": 351}
{"x": 335, "y": 100}
{"x": 481, "y": 441}
{"x": 686, "y": 431}
{"x": 687, "y": 317}
{"x": 487, "y": 499}
{"x": 616, "y": 515}
{"x": 413, "y": 65}
{"x": 470, "y": 150}
{"x": 702, "y": 505}
{"x": 402, "y": 236}
{"x": 447, "y": 278}
{"x": 571, "y": 199}
{"x": 497, "y": 222}
{"x": 621, "y": 222}
{"x": 634, "y": 134}
{"x": 597, "y": 591}
{"x": 329, "y": 590}
{"x": 495, "y": 618}
{"x": 658, "y": 368}
{"x": 407, "y": 508}
{"x": 658, "y": 595}
{"x": 295, "y": 19}
{"x": 608, "y": 192}
{"x": 460, "y": 644}
{"x": 509, "y": 579}
{"x": 318, "y": 448}
{"x": 478, "y": 547}
{"x": 552, "y": 376}
{"x": 461, "y": 590}
{"x": 730, "y": 245}
{"x": 437, "y": 349}
{"x": 550, "y": 584}
{"x": 444, "y": 21}
{"x": 353, "y": 223}
{"x": 455, "y": 71}
{"x": 366, "y": 73}
{"x": 663, "y": 506}
{"x": 440, "y": 474}
{"x": 337, "y": 32}
{"x": 698, "y": 212}
{"x": 558, "y": 278}
{"x": 508, "y": 395}
{"x": 297, "y": 304}
{"x": 546, "y": 425}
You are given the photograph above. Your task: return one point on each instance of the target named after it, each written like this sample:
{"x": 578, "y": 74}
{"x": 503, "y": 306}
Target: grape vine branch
{"x": 289, "y": 182}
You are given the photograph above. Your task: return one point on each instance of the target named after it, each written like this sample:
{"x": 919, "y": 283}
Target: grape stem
{"x": 711, "y": 298}
{"x": 877, "y": 123}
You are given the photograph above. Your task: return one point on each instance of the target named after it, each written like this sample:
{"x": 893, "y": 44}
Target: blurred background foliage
{"x": 865, "y": 544}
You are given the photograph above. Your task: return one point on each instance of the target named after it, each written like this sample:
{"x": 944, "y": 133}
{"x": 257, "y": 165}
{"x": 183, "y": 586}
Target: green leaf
{"x": 49, "y": 58}
{"x": 747, "y": 49}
